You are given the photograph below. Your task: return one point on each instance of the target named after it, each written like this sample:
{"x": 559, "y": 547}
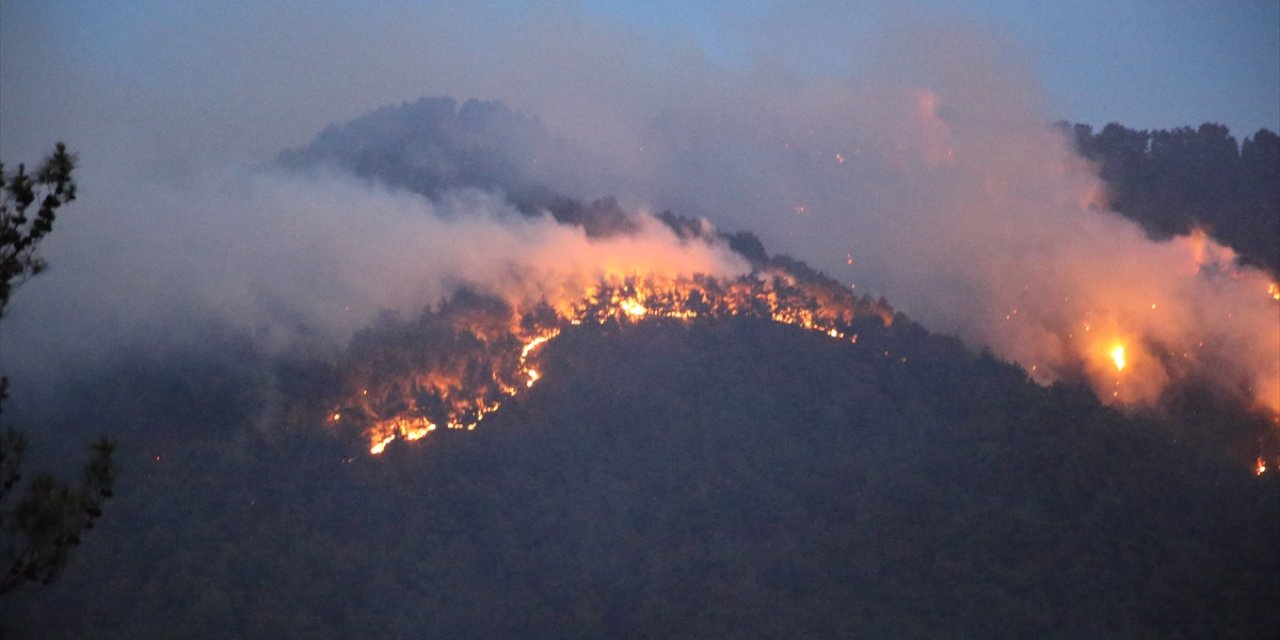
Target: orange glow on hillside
{"x": 494, "y": 359}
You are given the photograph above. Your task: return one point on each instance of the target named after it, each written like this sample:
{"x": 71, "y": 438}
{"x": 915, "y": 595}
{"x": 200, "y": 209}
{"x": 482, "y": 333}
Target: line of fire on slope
{"x": 459, "y": 363}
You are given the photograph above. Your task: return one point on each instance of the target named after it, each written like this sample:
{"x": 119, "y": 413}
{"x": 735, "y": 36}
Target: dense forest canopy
{"x": 1174, "y": 181}
{"x": 727, "y": 478}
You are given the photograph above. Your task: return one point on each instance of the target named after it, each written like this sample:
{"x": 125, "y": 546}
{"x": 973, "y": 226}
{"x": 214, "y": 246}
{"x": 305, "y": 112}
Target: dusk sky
{"x": 1143, "y": 63}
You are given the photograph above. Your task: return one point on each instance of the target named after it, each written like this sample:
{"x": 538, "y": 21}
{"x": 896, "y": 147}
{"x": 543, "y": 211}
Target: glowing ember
{"x": 1260, "y": 466}
{"x": 1117, "y": 356}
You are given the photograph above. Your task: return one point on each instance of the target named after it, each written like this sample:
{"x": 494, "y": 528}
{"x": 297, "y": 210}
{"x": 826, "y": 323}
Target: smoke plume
{"x": 923, "y": 171}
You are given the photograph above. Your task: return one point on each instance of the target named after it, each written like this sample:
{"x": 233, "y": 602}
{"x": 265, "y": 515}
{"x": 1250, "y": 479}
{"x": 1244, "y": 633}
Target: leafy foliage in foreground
{"x": 38, "y": 532}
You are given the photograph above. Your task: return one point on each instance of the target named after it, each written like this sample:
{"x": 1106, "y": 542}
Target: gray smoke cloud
{"x": 935, "y": 180}
{"x": 923, "y": 171}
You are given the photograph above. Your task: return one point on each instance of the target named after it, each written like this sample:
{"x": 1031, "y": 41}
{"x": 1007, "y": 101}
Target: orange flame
{"x": 1117, "y": 356}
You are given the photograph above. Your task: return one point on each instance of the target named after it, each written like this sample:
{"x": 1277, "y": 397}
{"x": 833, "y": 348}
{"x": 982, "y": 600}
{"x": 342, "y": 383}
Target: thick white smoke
{"x": 292, "y": 257}
{"x": 937, "y": 181}
{"x": 928, "y": 176}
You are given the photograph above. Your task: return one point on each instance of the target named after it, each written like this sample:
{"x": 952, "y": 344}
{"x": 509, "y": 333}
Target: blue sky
{"x": 1144, "y": 63}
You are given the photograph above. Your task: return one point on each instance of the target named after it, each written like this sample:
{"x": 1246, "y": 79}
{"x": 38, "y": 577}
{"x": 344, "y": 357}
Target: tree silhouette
{"x": 39, "y": 530}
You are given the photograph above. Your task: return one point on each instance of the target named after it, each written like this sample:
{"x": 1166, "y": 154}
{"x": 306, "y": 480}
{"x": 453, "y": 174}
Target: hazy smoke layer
{"x": 928, "y": 175}
{"x": 937, "y": 181}
{"x": 294, "y": 258}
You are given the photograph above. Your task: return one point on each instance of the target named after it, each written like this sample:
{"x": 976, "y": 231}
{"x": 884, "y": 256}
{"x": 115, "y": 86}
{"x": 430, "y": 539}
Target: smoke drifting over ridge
{"x": 936, "y": 181}
{"x": 930, "y": 178}
{"x": 303, "y": 258}
{"x": 952, "y": 196}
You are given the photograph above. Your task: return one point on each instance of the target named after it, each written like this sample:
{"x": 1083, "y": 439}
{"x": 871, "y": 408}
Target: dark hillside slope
{"x": 732, "y": 478}
{"x": 725, "y": 477}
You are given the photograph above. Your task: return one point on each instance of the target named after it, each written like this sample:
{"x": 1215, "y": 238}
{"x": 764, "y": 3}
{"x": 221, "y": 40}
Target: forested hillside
{"x": 730, "y": 478}
{"x": 701, "y": 477}
{"x": 1175, "y": 180}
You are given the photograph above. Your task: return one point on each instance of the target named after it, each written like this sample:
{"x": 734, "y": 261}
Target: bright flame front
{"x": 485, "y": 357}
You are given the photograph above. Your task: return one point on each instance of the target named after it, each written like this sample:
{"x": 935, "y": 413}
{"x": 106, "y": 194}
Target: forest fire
{"x": 463, "y": 361}
{"x": 460, "y": 363}
{"x": 1192, "y": 314}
